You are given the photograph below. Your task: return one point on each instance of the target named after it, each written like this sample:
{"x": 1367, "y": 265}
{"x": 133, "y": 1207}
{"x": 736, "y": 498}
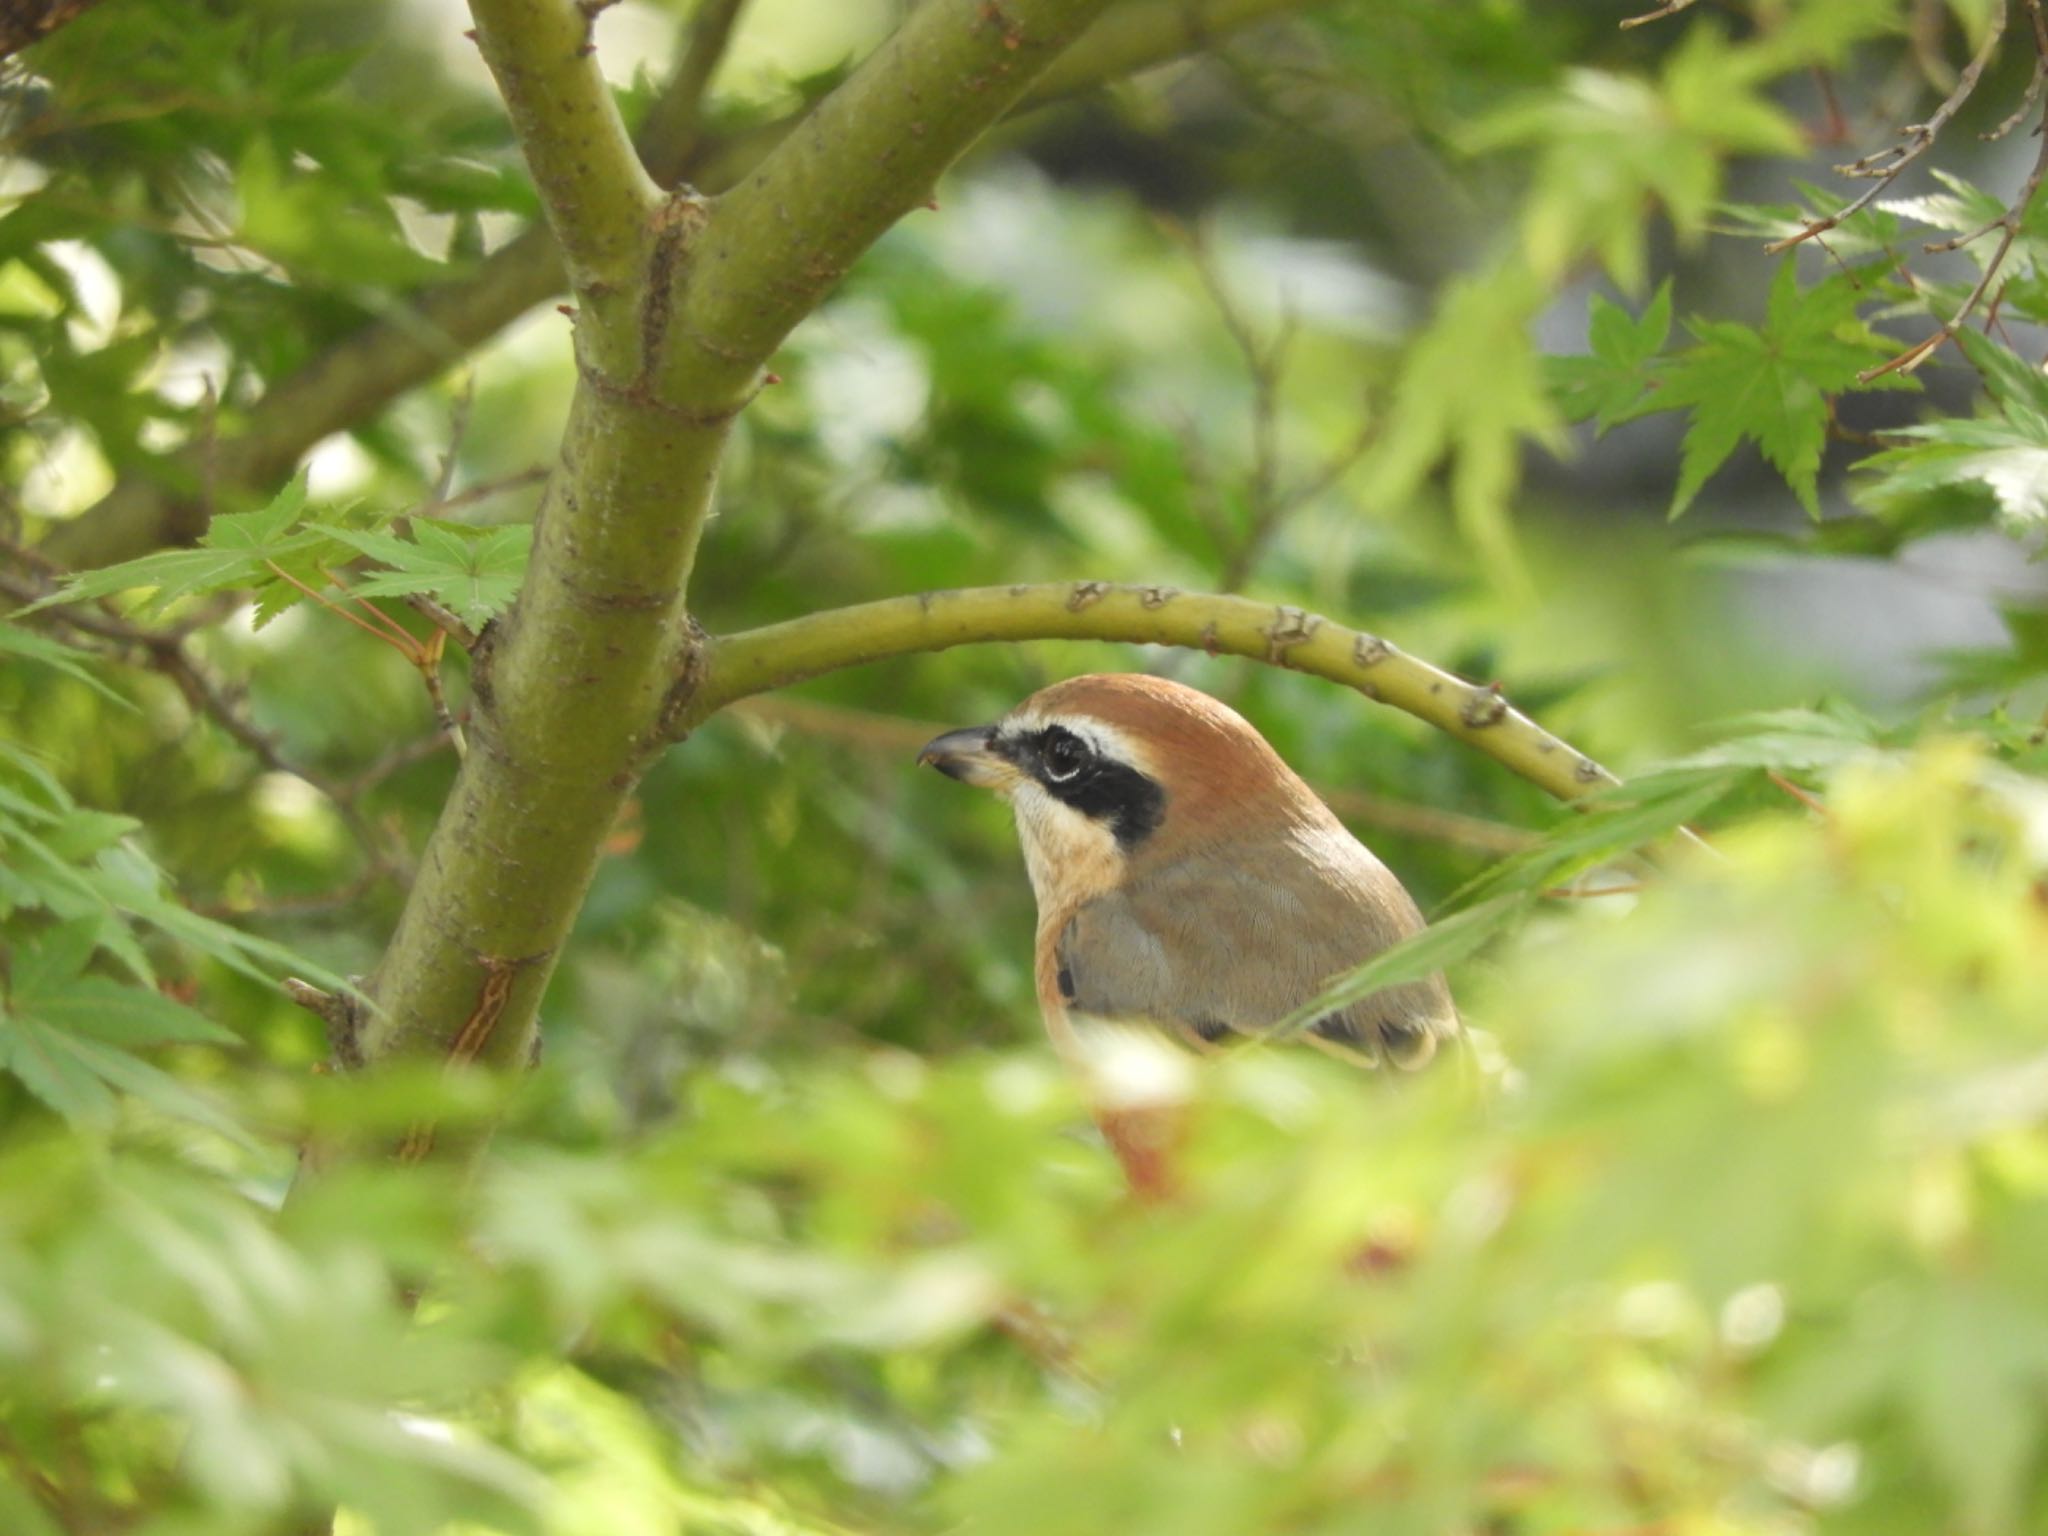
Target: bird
{"x": 1186, "y": 877}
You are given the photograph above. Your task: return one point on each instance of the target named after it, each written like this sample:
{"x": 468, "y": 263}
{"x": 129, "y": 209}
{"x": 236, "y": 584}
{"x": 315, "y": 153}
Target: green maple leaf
{"x": 1608, "y": 382}
{"x": 474, "y": 571}
{"x": 2003, "y": 453}
{"x": 238, "y": 550}
{"x": 1770, "y": 384}
{"x": 68, "y": 1036}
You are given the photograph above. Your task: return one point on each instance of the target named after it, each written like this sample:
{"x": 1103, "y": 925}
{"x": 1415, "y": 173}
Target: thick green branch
{"x": 759, "y": 659}
{"x": 866, "y": 155}
{"x": 1141, "y": 33}
{"x": 597, "y": 195}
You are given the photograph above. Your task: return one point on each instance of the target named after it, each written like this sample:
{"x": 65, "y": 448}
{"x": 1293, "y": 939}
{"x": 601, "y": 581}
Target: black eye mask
{"x": 1100, "y": 788}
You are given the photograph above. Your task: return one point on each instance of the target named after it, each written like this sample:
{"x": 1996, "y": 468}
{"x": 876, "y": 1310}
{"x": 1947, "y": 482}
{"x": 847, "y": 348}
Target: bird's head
{"x": 1111, "y": 771}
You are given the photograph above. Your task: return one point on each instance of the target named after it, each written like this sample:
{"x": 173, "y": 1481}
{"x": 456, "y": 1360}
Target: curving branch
{"x": 358, "y": 376}
{"x": 753, "y": 661}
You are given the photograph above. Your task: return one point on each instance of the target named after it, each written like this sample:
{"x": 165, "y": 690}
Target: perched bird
{"x": 1186, "y": 876}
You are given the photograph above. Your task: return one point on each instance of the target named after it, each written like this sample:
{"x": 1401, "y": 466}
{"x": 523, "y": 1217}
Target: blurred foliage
{"x": 1733, "y": 1218}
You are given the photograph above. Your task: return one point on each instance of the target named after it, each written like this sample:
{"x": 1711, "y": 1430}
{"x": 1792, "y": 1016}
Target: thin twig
{"x": 1883, "y": 167}
{"x": 2033, "y": 91}
{"x": 1811, "y": 801}
{"x": 1267, "y": 502}
{"x": 483, "y": 490}
{"x": 674, "y": 125}
{"x": 394, "y": 761}
{"x": 430, "y": 673}
{"x": 168, "y": 652}
{"x": 443, "y": 618}
{"x": 458, "y": 427}
{"x": 1668, "y": 8}
{"x": 2009, "y": 226}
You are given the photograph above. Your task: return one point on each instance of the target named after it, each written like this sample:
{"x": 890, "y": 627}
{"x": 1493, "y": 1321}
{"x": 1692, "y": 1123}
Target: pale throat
{"x": 1071, "y": 858}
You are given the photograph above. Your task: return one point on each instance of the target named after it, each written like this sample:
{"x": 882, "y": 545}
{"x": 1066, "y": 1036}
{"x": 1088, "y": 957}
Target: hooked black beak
{"x": 964, "y": 755}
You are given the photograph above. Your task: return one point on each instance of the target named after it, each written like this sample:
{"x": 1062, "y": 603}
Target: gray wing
{"x": 1212, "y": 947}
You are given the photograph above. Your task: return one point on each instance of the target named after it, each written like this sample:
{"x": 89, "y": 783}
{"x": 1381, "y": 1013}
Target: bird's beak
{"x": 968, "y": 756}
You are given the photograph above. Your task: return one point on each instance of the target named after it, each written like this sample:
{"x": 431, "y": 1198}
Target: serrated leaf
{"x": 1770, "y": 384}
{"x": 50, "y": 959}
{"x": 124, "y": 1014}
{"x": 475, "y": 572}
{"x": 1438, "y": 417}
{"x": 80, "y": 833}
{"x": 1609, "y": 381}
{"x": 1788, "y": 740}
{"x": 30, "y": 646}
{"x": 1608, "y": 144}
{"x": 43, "y": 1058}
{"x": 1601, "y": 834}
{"x": 2004, "y": 455}
{"x": 253, "y": 956}
{"x": 237, "y": 550}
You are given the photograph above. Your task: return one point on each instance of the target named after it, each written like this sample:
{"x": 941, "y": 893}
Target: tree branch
{"x": 360, "y": 375}
{"x": 598, "y": 196}
{"x": 866, "y": 155}
{"x": 753, "y": 661}
{"x": 1140, "y": 34}
{"x": 675, "y": 122}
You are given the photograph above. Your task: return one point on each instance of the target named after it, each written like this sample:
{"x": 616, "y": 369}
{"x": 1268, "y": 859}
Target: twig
{"x": 1267, "y": 503}
{"x": 167, "y": 652}
{"x": 353, "y": 379}
{"x": 394, "y": 761}
{"x": 1812, "y": 802}
{"x": 1883, "y": 167}
{"x": 2033, "y": 91}
{"x": 674, "y": 125}
{"x": 443, "y": 618}
{"x": 2009, "y": 226}
{"x": 483, "y": 490}
{"x": 458, "y": 428}
{"x": 430, "y": 674}
{"x": 1668, "y": 8}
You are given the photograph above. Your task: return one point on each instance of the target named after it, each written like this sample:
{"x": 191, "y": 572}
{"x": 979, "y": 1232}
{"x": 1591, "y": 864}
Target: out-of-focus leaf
{"x": 2003, "y": 454}
{"x": 30, "y": 646}
{"x": 1443, "y": 943}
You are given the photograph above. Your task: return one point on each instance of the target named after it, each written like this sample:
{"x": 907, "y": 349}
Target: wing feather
{"x": 1211, "y": 945}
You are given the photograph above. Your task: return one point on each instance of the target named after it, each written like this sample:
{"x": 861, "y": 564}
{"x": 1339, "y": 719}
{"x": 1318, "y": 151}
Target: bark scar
{"x": 1290, "y": 627}
{"x": 473, "y": 1035}
{"x": 692, "y": 663}
{"x": 1483, "y": 707}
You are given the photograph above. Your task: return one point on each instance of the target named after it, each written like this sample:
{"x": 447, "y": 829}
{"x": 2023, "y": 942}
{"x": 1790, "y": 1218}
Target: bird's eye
{"x": 1065, "y": 755}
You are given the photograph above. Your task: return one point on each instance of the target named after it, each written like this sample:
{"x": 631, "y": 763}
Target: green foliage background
{"x": 1735, "y": 1219}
